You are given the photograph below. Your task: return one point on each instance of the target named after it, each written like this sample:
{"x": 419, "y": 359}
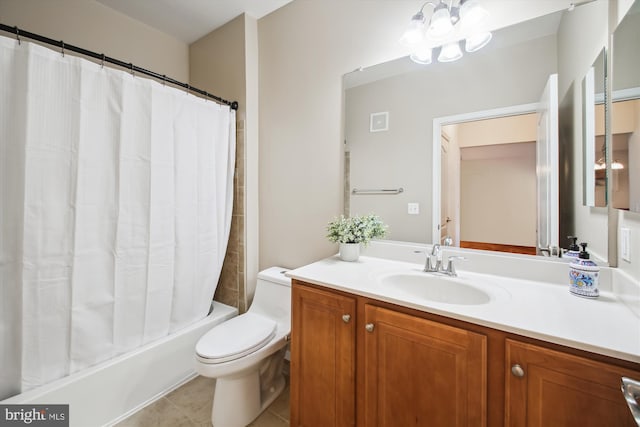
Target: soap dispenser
{"x": 583, "y": 275}
{"x": 574, "y": 250}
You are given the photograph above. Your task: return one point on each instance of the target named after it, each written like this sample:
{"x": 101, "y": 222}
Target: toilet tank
{"x": 272, "y": 297}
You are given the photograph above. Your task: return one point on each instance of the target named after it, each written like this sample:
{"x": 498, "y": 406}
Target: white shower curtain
{"x": 116, "y": 197}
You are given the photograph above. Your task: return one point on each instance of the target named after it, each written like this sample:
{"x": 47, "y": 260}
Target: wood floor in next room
{"x": 190, "y": 406}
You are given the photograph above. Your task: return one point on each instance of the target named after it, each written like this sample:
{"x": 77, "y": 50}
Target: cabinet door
{"x": 322, "y": 358}
{"x": 550, "y": 388}
{"x": 422, "y": 373}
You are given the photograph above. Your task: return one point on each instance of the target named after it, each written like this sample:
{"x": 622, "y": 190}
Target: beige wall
{"x": 305, "y": 48}
{"x": 251, "y": 207}
{"x": 582, "y": 35}
{"x": 625, "y": 54}
{"x": 93, "y": 26}
{"x": 503, "y": 130}
{"x": 498, "y": 194}
{"x": 225, "y": 62}
{"x": 623, "y": 117}
{"x": 217, "y": 64}
{"x": 498, "y": 182}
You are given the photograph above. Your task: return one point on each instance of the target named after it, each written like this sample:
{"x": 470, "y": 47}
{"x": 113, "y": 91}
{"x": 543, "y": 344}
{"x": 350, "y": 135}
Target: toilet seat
{"x": 235, "y": 338}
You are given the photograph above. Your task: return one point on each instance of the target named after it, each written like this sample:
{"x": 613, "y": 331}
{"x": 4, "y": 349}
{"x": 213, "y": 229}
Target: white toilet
{"x": 246, "y": 353}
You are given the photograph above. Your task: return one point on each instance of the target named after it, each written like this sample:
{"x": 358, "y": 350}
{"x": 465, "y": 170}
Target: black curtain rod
{"x": 103, "y": 58}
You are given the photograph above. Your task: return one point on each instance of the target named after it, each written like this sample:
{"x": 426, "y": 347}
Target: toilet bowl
{"x": 246, "y": 353}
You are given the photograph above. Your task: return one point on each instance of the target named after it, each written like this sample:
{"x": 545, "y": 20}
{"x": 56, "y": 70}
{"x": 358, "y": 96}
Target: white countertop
{"x": 546, "y": 311}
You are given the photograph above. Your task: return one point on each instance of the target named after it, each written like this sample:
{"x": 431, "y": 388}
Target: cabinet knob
{"x": 369, "y": 327}
{"x": 346, "y": 318}
{"x": 517, "y": 371}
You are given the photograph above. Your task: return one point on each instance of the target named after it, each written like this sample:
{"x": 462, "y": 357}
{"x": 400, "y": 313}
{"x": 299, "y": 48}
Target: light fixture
{"x": 477, "y": 41}
{"x": 450, "y": 52}
{"x": 472, "y": 13}
{"x": 617, "y": 165}
{"x": 422, "y": 55}
{"x": 415, "y": 31}
{"x": 440, "y": 25}
{"x": 601, "y": 165}
{"x": 450, "y": 22}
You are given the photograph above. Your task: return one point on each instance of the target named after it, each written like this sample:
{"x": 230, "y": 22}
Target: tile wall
{"x": 231, "y": 287}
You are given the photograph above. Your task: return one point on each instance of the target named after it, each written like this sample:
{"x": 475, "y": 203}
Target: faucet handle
{"x": 451, "y": 270}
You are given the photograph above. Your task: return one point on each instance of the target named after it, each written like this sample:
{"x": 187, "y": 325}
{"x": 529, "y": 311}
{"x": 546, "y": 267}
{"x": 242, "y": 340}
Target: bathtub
{"x": 110, "y": 391}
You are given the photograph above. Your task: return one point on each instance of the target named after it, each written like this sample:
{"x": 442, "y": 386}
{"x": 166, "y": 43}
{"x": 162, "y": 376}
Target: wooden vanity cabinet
{"x": 323, "y": 351}
{"x": 416, "y": 372}
{"x": 545, "y": 387}
{"x": 358, "y": 361}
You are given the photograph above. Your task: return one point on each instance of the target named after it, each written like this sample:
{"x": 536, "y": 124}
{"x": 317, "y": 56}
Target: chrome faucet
{"x": 436, "y": 267}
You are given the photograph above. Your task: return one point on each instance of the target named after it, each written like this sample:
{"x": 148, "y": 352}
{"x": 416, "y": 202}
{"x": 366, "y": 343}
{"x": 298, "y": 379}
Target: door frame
{"x": 514, "y": 110}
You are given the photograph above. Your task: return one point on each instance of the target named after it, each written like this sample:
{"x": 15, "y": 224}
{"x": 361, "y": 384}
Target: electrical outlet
{"x": 413, "y": 208}
{"x": 625, "y": 249}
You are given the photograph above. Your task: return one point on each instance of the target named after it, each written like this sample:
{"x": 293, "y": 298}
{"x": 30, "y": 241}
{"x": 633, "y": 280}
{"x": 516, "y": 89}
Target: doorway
{"x": 496, "y": 177}
{"x": 488, "y": 183}
{"x": 545, "y": 113}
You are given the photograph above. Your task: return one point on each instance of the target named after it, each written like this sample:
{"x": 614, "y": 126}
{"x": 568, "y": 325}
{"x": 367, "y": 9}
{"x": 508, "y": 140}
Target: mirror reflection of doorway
{"x": 489, "y": 184}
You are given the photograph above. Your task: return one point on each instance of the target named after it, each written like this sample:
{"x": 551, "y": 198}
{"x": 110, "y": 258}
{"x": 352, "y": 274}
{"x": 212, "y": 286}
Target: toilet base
{"x": 235, "y": 403}
{"x": 239, "y": 399}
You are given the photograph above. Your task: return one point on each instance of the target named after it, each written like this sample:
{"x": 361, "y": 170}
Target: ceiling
{"x": 189, "y": 20}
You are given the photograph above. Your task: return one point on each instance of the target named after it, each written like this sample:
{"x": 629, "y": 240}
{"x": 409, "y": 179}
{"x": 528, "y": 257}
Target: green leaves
{"x": 357, "y": 229}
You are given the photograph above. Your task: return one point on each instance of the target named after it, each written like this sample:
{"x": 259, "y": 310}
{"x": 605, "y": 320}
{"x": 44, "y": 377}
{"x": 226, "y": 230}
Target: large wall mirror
{"x": 625, "y": 112}
{"x": 478, "y": 118}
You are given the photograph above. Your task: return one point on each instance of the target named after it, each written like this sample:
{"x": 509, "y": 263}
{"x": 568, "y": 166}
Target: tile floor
{"x": 190, "y": 406}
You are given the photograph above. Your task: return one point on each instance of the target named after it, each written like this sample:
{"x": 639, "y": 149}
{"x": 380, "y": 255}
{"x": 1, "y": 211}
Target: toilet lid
{"x": 235, "y": 338}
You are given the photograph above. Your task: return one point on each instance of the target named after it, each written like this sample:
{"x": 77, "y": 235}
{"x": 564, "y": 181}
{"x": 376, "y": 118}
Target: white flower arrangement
{"x": 356, "y": 229}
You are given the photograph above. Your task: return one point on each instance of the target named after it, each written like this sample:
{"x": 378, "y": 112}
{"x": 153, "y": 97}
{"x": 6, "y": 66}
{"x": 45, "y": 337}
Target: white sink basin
{"x": 436, "y": 288}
